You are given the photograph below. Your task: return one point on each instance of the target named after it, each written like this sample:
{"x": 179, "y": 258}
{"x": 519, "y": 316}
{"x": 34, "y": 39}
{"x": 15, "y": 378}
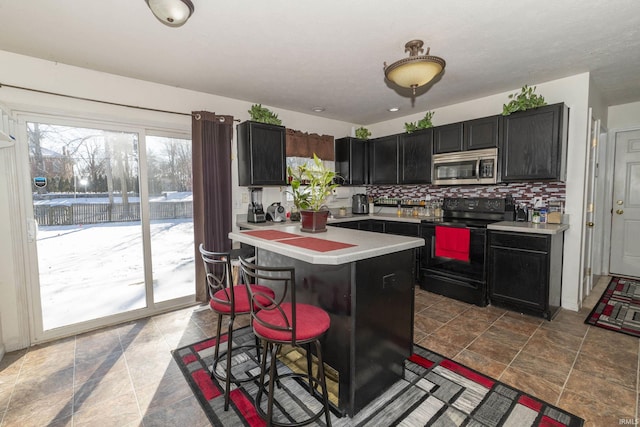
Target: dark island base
{"x": 370, "y": 303}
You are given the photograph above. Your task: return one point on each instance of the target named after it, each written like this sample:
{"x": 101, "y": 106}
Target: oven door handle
{"x": 478, "y": 170}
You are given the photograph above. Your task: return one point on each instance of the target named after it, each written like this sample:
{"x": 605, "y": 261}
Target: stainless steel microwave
{"x": 465, "y": 167}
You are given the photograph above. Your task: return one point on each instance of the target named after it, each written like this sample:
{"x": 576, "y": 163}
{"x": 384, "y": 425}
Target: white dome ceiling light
{"x": 173, "y": 13}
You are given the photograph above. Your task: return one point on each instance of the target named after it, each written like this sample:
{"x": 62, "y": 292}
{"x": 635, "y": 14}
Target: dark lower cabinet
{"x": 525, "y": 272}
{"x": 410, "y": 229}
{"x": 401, "y": 228}
{"x": 354, "y": 225}
{"x": 363, "y": 224}
{"x": 372, "y": 225}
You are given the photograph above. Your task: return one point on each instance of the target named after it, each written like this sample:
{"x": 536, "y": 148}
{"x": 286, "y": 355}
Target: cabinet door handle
{"x": 478, "y": 169}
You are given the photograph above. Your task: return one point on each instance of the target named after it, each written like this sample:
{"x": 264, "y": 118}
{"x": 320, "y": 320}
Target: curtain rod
{"x": 97, "y": 100}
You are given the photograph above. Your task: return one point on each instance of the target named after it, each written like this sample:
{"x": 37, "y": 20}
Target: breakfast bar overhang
{"x": 365, "y": 282}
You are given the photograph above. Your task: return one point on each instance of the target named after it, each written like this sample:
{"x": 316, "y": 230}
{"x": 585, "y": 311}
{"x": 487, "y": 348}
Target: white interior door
{"x": 589, "y": 210}
{"x": 625, "y": 224}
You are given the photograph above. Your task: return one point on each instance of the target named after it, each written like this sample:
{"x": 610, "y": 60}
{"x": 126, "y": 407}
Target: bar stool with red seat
{"x": 283, "y": 321}
{"x": 228, "y": 300}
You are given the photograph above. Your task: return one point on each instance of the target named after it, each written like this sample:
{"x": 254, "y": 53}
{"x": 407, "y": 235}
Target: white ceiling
{"x": 297, "y": 54}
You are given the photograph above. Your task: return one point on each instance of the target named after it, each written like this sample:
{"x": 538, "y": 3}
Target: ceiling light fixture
{"x": 318, "y": 109}
{"x": 393, "y": 109}
{"x": 173, "y": 13}
{"x": 416, "y": 70}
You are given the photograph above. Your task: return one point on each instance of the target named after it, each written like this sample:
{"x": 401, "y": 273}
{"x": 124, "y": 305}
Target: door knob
{"x": 619, "y": 211}
{"x": 590, "y": 224}
{"x": 619, "y": 202}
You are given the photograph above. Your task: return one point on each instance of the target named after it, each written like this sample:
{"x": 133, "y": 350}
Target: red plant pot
{"x": 314, "y": 221}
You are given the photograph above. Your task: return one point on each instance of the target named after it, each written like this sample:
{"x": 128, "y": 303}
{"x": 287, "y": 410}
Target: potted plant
{"x": 423, "y": 123}
{"x": 363, "y": 133}
{"x": 262, "y": 114}
{"x": 310, "y": 187}
{"x": 522, "y": 101}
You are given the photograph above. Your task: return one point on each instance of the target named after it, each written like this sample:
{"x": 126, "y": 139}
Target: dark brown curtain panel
{"x": 211, "y": 151}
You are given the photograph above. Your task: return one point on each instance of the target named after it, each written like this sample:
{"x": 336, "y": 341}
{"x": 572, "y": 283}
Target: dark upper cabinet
{"x": 415, "y": 157}
{"x": 261, "y": 154}
{"x": 383, "y": 160}
{"x": 448, "y": 138}
{"x": 351, "y": 161}
{"x": 468, "y": 135}
{"x": 534, "y": 144}
{"x": 482, "y": 133}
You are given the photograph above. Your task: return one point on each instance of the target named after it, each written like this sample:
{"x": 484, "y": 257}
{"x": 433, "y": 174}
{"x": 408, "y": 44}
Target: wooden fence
{"x": 96, "y": 213}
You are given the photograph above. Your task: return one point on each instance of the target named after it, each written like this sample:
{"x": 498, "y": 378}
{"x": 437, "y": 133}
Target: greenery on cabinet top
{"x": 261, "y": 114}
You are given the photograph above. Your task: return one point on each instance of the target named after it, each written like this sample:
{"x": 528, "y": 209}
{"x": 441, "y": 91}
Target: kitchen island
{"x": 365, "y": 282}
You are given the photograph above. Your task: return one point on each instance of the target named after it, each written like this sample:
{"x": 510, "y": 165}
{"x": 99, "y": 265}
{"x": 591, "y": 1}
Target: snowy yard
{"x": 91, "y": 271}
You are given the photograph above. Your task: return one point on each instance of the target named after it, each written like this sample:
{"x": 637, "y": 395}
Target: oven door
{"x": 473, "y": 270}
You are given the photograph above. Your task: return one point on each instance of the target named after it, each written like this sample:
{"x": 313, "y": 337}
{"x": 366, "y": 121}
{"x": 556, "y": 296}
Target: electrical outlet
{"x": 245, "y": 198}
{"x": 537, "y": 201}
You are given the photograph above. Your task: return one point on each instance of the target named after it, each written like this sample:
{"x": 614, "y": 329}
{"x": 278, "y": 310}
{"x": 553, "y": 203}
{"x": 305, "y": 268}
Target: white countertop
{"x": 528, "y": 227}
{"x": 367, "y": 244}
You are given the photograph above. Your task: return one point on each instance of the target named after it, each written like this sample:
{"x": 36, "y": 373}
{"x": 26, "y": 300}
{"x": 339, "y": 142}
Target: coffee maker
{"x": 256, "y": 212}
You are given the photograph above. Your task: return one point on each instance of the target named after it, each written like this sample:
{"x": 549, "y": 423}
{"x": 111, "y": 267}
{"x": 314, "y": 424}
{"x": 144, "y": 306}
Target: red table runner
{"x": 315, "y": 244}
{"x": 271, "y": 234}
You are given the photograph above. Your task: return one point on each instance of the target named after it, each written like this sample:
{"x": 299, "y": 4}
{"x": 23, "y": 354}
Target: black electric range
{"x": 462, "y": 279}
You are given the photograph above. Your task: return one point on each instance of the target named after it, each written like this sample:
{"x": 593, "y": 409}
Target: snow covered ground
{"x": 91, "y": 271}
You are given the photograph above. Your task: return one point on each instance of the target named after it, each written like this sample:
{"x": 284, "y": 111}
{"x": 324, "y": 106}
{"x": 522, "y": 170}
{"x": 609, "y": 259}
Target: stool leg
{"x": 263, "y": 370}
{"x": 323, "y": 383}
{"x": 272, "y": 380}
{"x": 309, "y": 367}
{"x": 227, "y": 383}
{"x": 215, "y": 353}
{"x": 258, "y": 348}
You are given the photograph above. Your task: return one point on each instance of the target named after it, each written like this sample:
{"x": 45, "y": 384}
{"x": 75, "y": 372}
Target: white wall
{"x": 19, "y": 70}
{"x": 573, "y": 91}
{"x": 625, "y": 116}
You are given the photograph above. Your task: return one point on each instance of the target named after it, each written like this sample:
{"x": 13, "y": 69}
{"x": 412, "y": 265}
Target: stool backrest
{"x": 280, "y": 279}
{"x": 217, "y": 266}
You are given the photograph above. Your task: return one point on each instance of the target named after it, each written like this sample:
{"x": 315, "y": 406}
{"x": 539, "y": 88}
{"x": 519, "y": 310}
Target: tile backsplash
{"x": 521, "y": 192}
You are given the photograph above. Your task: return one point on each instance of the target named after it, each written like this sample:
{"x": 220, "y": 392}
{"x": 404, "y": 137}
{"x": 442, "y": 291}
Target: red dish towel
{"x": 452, "y": 242}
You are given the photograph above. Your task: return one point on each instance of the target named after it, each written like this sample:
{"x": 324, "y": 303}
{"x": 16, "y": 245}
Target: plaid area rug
{"x": 619, "y": 307}
{"x": 434, "y": 391}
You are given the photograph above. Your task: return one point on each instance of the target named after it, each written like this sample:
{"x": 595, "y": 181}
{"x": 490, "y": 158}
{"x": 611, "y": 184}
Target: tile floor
{"x": 125, "y": 375}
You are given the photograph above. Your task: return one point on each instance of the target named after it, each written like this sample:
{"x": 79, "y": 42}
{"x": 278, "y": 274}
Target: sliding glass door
{"x": 171, "y": 214}
{"x": 115, "y": 230}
